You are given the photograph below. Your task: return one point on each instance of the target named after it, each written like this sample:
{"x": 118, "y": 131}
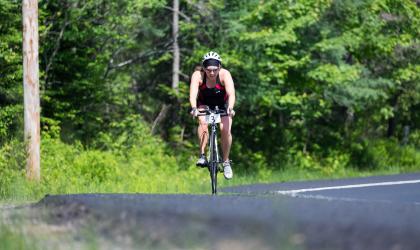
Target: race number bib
{"x": 213, "y": 118}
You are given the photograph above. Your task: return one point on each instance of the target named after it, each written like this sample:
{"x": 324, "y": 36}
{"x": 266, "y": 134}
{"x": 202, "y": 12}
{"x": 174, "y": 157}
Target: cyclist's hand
{"x": 231, "y": 112}
{"x": 194, "y": 112}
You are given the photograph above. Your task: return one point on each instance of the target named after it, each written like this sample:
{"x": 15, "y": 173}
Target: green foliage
{"x": 10, "y": 124}
{"x": 334, "y": 162}
{"x": 383, "y": 154}
{"x": 88, "y": 47}
{"x": 10, "y": 70}
{"x": 12, "y": 166}
{"x": 322, "y": 86}
{"x": 141, "y": 164}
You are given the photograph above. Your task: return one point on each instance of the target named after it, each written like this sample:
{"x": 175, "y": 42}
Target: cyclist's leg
{"x": 203, "y": 132}
{"x": 226, "y": 136}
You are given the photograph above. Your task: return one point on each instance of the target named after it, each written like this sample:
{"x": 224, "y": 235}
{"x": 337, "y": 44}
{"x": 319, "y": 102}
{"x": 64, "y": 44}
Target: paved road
{"x": 364, "y": 213}
{"x": 404, "y": 188}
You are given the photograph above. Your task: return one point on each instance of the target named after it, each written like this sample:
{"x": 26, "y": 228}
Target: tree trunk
{"x": 392, "y": 124}
{"x": 31, "y": 88}
{"x": 406, "y": 134}
{"x": 135, "y": 89}
{"x": 175, "y": 65}
{"x": 392, "y": 121}
{"x": 176, "y": 52}
{"x": 161, "y": 116}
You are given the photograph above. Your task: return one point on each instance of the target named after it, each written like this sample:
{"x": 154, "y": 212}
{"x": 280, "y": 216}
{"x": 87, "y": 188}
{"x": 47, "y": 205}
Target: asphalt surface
{"x": 365, "y": 213}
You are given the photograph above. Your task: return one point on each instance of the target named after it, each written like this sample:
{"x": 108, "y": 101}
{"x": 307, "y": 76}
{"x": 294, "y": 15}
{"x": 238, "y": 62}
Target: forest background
{"x": 324, "y": 88}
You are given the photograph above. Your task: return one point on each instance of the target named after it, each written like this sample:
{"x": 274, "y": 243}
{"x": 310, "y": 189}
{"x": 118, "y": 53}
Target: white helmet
{"x": 212, "y": 55}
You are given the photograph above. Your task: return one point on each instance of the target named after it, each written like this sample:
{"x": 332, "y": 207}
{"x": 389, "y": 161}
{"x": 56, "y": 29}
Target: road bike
{"x": 213, "y": 117}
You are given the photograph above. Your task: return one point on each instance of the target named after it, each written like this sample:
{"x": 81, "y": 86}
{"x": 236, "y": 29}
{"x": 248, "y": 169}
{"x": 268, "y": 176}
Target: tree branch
{"x": 179, "y": 12}
{"x": 57, "y": 45}
{"x": 137, "y": 58}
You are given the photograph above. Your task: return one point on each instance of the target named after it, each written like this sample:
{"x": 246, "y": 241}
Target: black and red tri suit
{"x": 212, "y": 97}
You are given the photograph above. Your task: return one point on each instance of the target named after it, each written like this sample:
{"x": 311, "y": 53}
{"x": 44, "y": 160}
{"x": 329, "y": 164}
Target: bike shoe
{"x": 227, "y": 170}
{"x": 202, "y": 161}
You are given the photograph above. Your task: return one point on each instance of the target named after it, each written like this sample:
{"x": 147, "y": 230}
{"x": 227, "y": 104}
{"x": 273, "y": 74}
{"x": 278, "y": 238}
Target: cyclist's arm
{"x": 195, "y": 82}
{"x": 230, "y": 89}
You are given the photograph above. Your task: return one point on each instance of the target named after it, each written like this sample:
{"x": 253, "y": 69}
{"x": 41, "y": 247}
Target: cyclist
{"x": 210, "y": 87}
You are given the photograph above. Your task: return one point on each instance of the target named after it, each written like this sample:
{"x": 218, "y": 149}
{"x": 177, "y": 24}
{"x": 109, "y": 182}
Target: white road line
{"x": 294, "y": 192}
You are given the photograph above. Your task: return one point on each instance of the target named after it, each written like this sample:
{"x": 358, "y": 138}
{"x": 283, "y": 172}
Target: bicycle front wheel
{"x": 213, "y": 162}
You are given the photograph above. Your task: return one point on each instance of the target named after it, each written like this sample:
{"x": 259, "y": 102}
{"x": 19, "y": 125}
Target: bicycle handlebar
{"x": 208, "y": 111}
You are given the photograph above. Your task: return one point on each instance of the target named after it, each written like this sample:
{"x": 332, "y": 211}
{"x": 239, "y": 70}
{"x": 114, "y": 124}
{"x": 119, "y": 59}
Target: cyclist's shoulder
{"x": 225, "y": 76}
{"x": 197, "y": 75}
{"x": 224, "y": 73}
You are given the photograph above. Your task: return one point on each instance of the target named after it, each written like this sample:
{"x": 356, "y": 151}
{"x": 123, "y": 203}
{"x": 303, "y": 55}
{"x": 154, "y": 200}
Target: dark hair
{"x": 198, "y": 68}
{"x": 211, "y": 62}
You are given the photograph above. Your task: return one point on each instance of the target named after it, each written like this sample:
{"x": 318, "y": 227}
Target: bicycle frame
{"x": 213, "y": 117}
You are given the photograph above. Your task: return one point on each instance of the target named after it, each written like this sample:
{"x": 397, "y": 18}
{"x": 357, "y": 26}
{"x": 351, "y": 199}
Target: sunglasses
{"x": 212, "y": 70}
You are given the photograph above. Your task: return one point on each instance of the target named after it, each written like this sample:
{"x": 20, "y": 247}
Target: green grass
{"x": 13, "y": 239}
{"x": 192, "y": 180}
{"x": 22, "y": 234}
{"x": 146, "y": 165}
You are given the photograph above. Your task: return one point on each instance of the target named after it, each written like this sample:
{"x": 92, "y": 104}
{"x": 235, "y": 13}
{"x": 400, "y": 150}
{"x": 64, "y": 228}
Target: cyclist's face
{"x": 212, "y": 71}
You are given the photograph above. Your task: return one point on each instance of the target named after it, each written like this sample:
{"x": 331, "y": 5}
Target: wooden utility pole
{"x": 31, "y": 88}
{"x": 175, "y": 31}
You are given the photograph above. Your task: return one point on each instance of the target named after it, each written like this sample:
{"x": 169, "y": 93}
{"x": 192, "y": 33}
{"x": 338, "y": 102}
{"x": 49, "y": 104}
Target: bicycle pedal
{"x": 202, "y": 165}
